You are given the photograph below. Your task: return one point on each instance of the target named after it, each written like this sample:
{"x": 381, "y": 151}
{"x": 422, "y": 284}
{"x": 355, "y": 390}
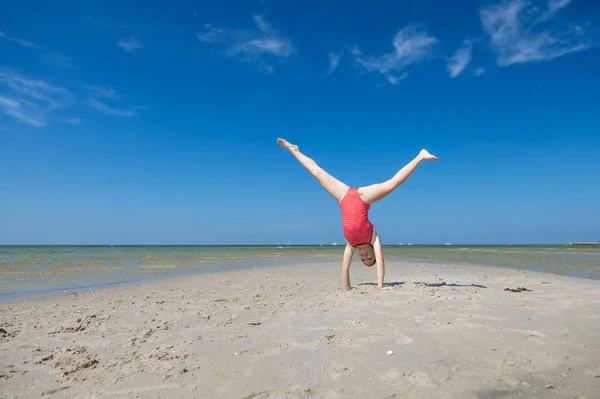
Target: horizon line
{"x": 289, "y": 245}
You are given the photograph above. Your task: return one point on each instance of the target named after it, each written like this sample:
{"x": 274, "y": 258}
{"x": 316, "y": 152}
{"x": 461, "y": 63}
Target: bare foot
{"x": 426, "y": 156}
{"x": 286, "y": 145}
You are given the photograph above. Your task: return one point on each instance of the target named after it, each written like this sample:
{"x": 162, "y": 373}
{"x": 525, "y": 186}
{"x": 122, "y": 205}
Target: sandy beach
{"x": 292, "y": 332}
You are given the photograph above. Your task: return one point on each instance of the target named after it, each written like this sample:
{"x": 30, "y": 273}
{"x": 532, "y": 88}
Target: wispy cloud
{"x": 22, "y": 42}
{"x": 555, "y": 5}
{"x": 23, "y": 111}
{"x": 97, "y": 97}
{"x": 461, "y": 58}
{"x": 334, "y": 61}
{"x": 35, "y": 102}
{"x": 478, "y": 71}
{"x": 518, "y": 35}
{"x": 31, "y": 101}
{"x": 130, "y": 44}
{"x": 250, "y": 45}
{"x": 32, "y": 98}
{"x": 10, "y": 38}
{"x": 52, "y": 96}
{"x": 411, "y": 45}
{"x": 396, "y": 79}
{"x": 108, "y": 110}
{"x": 48, "y": 55}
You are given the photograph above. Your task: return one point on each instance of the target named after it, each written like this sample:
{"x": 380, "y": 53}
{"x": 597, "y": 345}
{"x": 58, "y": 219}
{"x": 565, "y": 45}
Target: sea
{"x": 35, "y": 271}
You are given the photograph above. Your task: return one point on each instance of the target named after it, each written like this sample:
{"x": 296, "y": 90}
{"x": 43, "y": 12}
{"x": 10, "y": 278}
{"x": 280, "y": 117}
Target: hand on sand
{"x": 426, "y": 156}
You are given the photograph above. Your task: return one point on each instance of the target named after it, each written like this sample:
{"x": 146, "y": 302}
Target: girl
{"x": 354, "y": 205}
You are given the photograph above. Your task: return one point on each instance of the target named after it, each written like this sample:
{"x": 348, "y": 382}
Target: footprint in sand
{"x": 534, "y": 336}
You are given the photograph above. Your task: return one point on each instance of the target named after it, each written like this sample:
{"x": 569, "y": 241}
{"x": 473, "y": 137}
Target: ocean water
{"x": 29, "y": 271}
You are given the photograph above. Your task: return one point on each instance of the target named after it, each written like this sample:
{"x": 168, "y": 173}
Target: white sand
{"x": 292, "y": 332}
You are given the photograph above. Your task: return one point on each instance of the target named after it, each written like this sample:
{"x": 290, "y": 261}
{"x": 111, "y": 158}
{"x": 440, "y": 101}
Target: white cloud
{"x": 130, "y": 44}
{"x": 52, "y": 96}
{"x": 250, "y": 45}
{"x": 31, "y": 101}
{"x": 23, "y": 42}
{"x": 458, "y": 62}
{"x": 262, "y": 24}
{"x": 108, "y": 110}
{"x": 555, "y": 5}
{"x": 34, "y": 101}
{"x": 411, "y": 45}
{"x": 23, "y": 111}
{"x": 334, "y": 61}
{"x": 396, "y": 79}
{"x": 479, "y": 71}
{"x": 96, "y": 93}
{"x": 518, "y": 36}
{"x": 14, "y": 39}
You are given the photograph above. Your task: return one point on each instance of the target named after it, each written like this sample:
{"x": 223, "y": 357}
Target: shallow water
{"x": 27, "y": 271}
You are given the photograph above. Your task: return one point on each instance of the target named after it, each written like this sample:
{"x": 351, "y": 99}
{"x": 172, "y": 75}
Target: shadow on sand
{"x": 431, "y": 285}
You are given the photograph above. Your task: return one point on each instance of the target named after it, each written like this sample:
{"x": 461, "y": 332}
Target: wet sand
{"x": 292, "y": 332}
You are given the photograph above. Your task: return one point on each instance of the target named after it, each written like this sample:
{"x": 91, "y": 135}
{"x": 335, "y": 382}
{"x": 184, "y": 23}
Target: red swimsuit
{"x": 355, "y": 220}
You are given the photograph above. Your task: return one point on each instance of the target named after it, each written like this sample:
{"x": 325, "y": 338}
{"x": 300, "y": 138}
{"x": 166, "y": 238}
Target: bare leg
{"x": 376, "y": 192}
{"x": 333, "y": 186}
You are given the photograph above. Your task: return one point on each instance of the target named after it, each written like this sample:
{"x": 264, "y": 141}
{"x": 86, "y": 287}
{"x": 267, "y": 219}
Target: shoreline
{"x": 30, "y": 292}
{"x": 27, "y": 272}
{"x": 108, "y": 283}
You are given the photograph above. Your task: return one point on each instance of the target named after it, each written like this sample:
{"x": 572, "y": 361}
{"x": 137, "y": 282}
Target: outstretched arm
{"x": 346, "y": 261}
{"x": 380, "y": 263}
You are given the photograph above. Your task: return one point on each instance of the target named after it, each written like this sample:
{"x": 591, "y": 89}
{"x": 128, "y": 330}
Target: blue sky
{"x": 123, "y": 124}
